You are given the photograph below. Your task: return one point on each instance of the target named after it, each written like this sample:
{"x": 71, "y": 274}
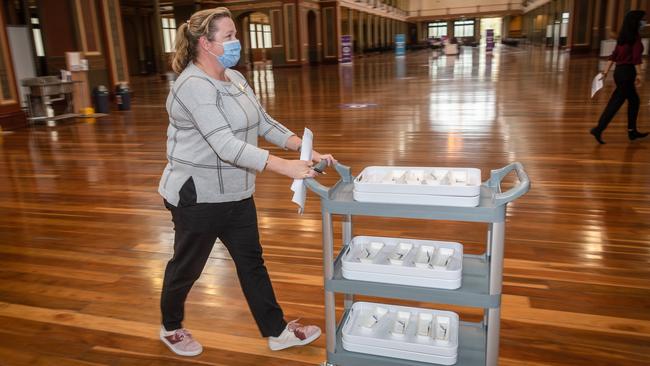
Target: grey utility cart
{"x": 481, "y": 277}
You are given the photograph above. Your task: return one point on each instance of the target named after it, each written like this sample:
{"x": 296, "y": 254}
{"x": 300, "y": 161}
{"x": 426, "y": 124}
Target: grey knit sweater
{"x": 212, "y": 137}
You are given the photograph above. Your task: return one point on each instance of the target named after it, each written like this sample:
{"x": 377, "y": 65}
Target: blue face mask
{"x": 231, "y": 51}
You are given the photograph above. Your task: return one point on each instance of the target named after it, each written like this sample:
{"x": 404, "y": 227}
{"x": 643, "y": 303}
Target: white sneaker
{"x": 295, "y": 334}
{"x": 180, "y": 342}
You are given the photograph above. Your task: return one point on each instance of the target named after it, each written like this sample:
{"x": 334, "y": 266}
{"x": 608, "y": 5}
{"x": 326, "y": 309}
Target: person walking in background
{"x": 627, "y": 56}
{"x": 215, "y": 120}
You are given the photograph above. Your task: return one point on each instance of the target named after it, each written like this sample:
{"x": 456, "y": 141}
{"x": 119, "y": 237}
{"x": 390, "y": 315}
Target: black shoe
{"x": 634, "y": 134}
{"x": 597, "y": 134}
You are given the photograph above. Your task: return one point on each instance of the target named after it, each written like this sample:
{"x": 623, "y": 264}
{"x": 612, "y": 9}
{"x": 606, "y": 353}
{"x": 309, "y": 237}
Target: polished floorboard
{"x": 84, "y": 236}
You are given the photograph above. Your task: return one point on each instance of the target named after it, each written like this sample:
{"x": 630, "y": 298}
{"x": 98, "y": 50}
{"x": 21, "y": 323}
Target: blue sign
{"x": 400, "y": 45}
{"x": 489, "y": 40}
{"x": 346, "y": 49}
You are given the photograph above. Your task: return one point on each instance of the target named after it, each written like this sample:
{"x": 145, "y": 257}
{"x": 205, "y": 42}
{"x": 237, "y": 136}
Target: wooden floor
{"x": 84, "y": 237}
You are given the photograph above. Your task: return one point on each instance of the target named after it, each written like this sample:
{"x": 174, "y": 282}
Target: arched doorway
{"x": 255, "y": 28}
{"x": 312, "y": 34}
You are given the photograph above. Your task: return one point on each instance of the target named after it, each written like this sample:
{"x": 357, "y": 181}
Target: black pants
{"x": 624, "y": 76}
{"x": 197, "y": 227}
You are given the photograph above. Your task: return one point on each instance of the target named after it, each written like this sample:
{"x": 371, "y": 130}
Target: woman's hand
{"x": 296, "y": 169}
{"x": 316, "y": 157}
{"x": 638, "y": 81}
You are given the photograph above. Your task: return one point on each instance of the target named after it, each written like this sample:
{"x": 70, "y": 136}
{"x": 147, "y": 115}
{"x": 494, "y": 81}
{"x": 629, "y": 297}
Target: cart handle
{"x": 344, "y": 171}
{"x": 522, "y": 186}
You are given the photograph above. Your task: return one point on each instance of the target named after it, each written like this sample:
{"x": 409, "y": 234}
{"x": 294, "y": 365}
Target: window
{"x": 565, "y": 18}
{"x": 437, "y": 30}
{"x": 38, "y": 40}
{"x": 464, "y": 28}
{"x": 169, "y": 33}
{"x": 260, "y": 35}
{"x": 564, "y": 28}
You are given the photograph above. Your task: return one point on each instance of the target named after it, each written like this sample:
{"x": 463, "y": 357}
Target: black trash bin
{"x": 100, "y": 99}
{"x": 123, "y": 97}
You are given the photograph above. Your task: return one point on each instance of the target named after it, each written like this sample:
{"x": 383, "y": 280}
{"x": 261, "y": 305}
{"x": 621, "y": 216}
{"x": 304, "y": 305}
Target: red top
{"x": 628, "y": 54}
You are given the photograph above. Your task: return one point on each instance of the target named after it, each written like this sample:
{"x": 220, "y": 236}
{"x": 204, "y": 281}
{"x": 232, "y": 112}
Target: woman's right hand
{"x": 296, "y": 169}
{"x": 299, "y": 169}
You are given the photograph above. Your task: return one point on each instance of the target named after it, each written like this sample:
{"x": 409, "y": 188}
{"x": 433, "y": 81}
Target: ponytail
{"x": 202, "y": 23}
{"x": 183, "y": 51}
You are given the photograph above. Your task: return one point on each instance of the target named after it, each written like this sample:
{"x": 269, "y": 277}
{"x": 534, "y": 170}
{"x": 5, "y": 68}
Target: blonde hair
{"x": 202, "y": 23}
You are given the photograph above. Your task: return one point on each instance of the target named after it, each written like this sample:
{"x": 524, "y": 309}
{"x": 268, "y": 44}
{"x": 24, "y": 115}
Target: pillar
{"x": 384, "y": 29}
{"x": 369, "y": 39}
{"x": 159, "y": 54}
{"x": 376, "y": 32}
{"x": 595, "y": 30}
{"x": 350, "y": 29}
{"x": 610, "y": 28}
{"x": 360, "y": 36}
{"x": 116, "y": 55}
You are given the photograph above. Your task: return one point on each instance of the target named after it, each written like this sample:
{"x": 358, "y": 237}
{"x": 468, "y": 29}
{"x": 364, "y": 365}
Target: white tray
{"x": 417, "y": 199}
{"x": 402, "y": 280}
{"x": 423, "y": 335}
{"x": 435, "y": 181}
{"x": 405, "y": 355}
{"x": 434, "y": 264}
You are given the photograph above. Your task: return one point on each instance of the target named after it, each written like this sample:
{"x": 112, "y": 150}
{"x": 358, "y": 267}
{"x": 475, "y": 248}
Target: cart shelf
{"x": 471, "y": 350}
{"x": 473, "y": 292}
{"x": 492, "y": 204}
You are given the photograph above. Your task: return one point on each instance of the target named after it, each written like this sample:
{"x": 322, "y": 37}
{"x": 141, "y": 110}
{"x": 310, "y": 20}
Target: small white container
{"x": 442, "y": 258}
{"x": 425, "y": 324}
{"x": 369, "y": 251}
{"x": 374, "y": 317}
{"x": 442, "y": 329}
{"x": 374, "y": 179}
{"x": 415, "y": 177}
{"x": 400, "y": 253}
{"x": 441, "y": 175}
{"x": 400, "y": 323}
{"x": 393, "y": 176}
{"x": 459, "y": 178}
{"x": 425, "y": 256}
